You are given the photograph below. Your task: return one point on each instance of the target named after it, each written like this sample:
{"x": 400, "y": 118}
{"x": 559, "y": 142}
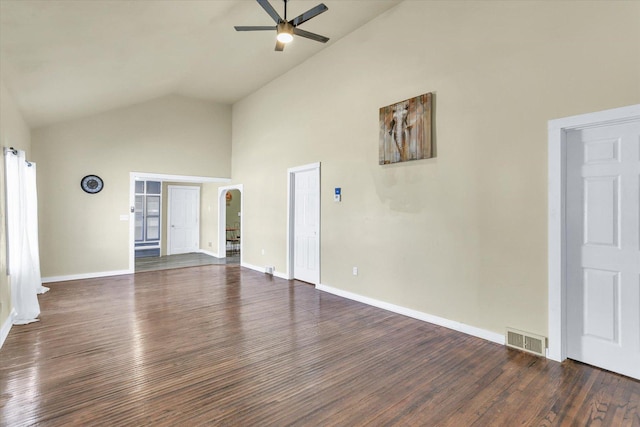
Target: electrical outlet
{"x": 355, "y": 271}
{"x": 263, "y": 252}
{"x": 210, "y": 244}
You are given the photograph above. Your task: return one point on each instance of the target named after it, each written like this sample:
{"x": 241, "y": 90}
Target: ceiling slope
{"x": 66, "y": 59}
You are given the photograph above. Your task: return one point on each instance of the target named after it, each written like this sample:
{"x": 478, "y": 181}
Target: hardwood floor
{"x": 222, "y": 345}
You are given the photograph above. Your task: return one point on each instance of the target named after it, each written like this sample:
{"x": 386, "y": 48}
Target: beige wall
{"x": 463, "y": 235}
{"x": 82, "y": 233}
{"x": 14, "y": 132}
{"x": 209, "y": 218}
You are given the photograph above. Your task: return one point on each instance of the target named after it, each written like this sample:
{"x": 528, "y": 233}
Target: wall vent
{"x": 525, "y": 341}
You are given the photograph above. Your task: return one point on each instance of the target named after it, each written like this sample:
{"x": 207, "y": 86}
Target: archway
{"x": 230, "y": 223}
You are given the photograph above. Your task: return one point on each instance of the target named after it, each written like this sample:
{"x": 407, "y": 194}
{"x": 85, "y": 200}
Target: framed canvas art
{"x": 405, "y": 130}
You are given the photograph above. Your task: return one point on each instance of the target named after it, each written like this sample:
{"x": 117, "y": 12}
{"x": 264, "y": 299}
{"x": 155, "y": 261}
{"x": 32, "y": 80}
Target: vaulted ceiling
{"x": 62, "y": 59}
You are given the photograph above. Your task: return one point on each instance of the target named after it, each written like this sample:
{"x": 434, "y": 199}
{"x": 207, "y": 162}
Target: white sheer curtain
{"x": 22, "y": 237}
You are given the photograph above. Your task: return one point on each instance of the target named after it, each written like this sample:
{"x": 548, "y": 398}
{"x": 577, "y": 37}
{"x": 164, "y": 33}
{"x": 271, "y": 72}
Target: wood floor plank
{"x": 223, "y": 345}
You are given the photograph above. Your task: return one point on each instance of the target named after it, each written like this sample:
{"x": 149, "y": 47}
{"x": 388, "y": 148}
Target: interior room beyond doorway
{"x": 233, "y": 223}
{"x": 152, "y": 220}
{"x": 182, "y": 260}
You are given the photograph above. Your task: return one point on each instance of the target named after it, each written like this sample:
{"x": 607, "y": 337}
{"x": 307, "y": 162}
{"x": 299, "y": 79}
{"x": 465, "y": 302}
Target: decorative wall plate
{"x": 92, "y": 184}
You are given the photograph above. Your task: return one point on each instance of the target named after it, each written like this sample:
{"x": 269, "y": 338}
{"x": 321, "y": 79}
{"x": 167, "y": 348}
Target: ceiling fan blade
{"x": 311, "y": 13}
{"x": 279, "y": 46}
{"x": 254, "y": 28}
{"x": 312, "y": 36}
{"x": 270, "y": 10}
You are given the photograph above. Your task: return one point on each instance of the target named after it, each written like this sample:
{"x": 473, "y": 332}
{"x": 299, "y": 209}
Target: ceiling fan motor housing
{"x": 285, "y": 27}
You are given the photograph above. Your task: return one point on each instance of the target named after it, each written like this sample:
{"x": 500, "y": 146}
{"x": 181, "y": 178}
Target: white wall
{"x": 82, "y": 233}
{"x": 461, "y": 236}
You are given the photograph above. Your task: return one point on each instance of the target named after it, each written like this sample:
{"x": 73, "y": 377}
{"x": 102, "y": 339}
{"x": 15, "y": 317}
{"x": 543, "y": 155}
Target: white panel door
{"x": 306, "y": 256}
{"x": 183, "y": 220}
{"x": 603, "y": 249}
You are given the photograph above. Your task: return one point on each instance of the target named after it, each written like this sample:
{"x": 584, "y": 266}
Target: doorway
{"x": 303, "y": 240}
{"x": 166, "y": 180}
{"x": 594, "y": 239}
{"x": 233, "y": 226}
{"x": 230, "y": 223}
{"x": 603, "y": 254}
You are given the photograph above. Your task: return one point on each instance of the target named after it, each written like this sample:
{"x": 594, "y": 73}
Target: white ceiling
{"x": 62, "y": 59}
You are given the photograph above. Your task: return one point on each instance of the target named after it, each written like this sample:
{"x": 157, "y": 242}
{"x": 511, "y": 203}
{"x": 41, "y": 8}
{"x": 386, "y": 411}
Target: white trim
{"x": 222, "y": 219}
{"x": 168, "y": 232}
{"x": 86, "y": 276}
{"x": 280, "y": 275}
{"x": 177, "y": 178}
{"x": 303, "y": 168}
{"x": 6, "y": 327}
{"x": 263, "y": 270}
{"x": 290, "y": 215}
{"x": 598, "y": 118}
{"x": 252, "y": 267}
{"x": 558, "y": 129}
{"x": 132, "y": 220}
{"x": 440, "y": 321}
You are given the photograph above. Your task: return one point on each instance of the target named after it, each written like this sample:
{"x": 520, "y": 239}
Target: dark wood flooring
{"x": 225, "y": 346}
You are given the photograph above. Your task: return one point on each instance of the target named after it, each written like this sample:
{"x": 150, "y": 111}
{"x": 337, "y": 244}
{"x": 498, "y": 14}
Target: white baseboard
{"x": 440, "y": 321}
{"x": 213, "y": 254}
{"x": 252, "y": 267}
{"x": 280, "y": 275}
{"x": 263, "y": 270}
{"x": 6, "y": 327}
{"x": 85, "y": 276}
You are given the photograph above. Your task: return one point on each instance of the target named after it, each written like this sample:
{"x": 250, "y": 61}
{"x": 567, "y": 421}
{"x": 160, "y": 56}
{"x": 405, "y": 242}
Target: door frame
{"x": 557, "y": 220}
{"x": 222, "y": 219}
{"x": 168, "y": 232}
{"x": 147, "y": 176}
{"x": 291, "y": 172}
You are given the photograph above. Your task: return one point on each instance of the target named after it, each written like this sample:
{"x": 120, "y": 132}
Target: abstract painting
{"x": 405, "y": 130}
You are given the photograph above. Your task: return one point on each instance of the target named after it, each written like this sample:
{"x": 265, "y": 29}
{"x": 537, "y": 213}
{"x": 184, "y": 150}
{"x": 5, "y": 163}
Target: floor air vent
{"x": 527, "y": 342}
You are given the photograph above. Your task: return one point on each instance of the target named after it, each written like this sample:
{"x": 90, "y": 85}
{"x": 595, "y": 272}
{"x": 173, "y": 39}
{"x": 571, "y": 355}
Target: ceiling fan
{"x": 286, "y": 29}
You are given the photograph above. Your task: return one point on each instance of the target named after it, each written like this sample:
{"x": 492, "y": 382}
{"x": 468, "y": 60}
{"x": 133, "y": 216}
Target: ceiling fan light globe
{"x": 284, "y": 37}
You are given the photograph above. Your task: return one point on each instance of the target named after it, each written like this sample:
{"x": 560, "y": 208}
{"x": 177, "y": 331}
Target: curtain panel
{"x": 23, "y": 261}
